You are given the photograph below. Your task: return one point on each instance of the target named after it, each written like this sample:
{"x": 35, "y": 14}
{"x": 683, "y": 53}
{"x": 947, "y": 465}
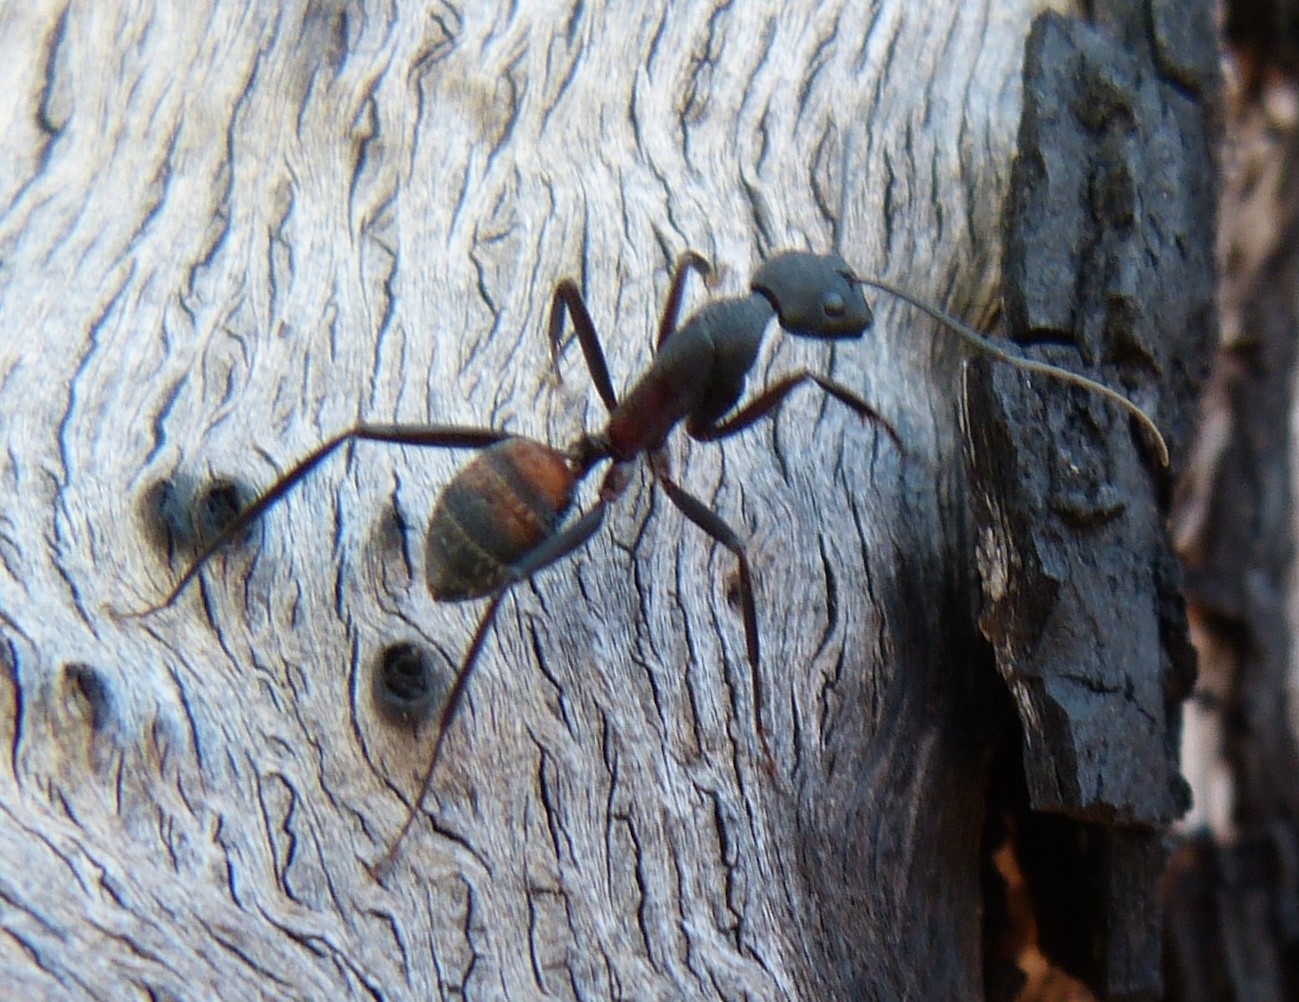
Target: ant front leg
{"x": 555, "y": 548}
{"x": 708, "y": 520}
{"x": 434, "y": 436}
{"x": 772, "y": 397}
{"x": 567, "y": 298}
{"x": 672, "y": 305}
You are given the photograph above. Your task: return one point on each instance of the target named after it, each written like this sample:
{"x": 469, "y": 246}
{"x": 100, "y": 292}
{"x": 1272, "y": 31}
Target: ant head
{"x": 814, "y": 295}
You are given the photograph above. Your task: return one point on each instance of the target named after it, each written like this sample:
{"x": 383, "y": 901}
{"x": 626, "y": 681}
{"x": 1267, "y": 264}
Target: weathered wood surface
{"x": 228, "y": 233}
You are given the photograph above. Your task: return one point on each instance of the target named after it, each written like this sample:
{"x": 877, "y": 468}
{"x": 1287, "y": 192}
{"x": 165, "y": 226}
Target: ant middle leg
{"x": 450, "y": 706}
{"x": 772, "y": 397}
{"x": 710, "y": 522}
{"x": 567, "y": 300}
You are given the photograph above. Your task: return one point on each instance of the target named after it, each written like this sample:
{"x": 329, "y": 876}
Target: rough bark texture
{"x": 229, "y": 232}
{"x": 1109, "y": 256}
{"x": 1233, "y": 886}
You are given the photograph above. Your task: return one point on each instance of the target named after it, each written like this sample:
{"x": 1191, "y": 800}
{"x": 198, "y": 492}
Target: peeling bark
{"x": 229, "y": 235}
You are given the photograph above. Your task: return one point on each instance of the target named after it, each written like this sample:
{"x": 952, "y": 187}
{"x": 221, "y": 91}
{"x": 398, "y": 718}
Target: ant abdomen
{"x": 500, "y": 506}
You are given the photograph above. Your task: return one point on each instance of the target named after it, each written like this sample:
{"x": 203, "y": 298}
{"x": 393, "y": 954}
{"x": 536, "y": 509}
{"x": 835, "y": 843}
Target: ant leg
{"x": 568, "y": 299}
{"x": 711, "y": 523}
{"x": 772, "y": 397}
{"x": 437, "y": 436}
{"x": 548, "y": 552}
{"x": 449, "y": 708}
{"x": 672, "y": 305}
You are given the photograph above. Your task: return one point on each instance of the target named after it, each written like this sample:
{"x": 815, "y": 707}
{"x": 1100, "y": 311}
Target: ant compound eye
{"x": 833, "y": 305}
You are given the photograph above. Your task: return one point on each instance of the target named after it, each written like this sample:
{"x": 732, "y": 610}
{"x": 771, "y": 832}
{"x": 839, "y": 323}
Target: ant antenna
{"x": 981, "y": 343}
{"x": 976, "y": 339}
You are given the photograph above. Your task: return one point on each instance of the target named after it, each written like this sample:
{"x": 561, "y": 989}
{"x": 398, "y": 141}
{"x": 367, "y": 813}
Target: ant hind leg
{"x": 429, "y": 436}
{"x": 543, "y": 555}
{"x": 710, "y": 522}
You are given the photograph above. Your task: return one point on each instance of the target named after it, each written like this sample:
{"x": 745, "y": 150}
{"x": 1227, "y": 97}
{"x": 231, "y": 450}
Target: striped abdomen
{"x": 508, "y": 499}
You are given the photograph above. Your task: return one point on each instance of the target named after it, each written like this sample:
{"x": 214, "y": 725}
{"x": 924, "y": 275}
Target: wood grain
{"x": 230, "y": 231}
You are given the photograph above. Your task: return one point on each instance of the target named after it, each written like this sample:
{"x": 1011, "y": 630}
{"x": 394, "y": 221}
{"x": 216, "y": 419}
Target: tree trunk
{"x": 1233, "y": 886}
{"x": 231, "y": 234}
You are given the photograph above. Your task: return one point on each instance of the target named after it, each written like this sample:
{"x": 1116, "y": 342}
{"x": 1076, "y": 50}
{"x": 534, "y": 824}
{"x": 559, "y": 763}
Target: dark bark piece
{"x": 1233, "y": 926}
{"x": 1266, "y": 34}
{"x": 1085, "y": 876}
{"x": 1108, "y": 259}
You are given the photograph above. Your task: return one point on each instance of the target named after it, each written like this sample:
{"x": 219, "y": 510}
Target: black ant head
{"x": 814, "y": 295}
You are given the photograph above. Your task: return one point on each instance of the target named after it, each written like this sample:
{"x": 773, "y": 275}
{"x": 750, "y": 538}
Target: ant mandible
{"x": 500, "y": 519}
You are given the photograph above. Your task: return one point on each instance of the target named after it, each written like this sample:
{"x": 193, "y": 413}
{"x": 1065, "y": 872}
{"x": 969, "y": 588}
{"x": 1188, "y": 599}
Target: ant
{"x": 501, "y": 518}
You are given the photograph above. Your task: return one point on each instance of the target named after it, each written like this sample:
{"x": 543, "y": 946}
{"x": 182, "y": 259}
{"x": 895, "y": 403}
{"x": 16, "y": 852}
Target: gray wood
{"x": 230, "y": 231}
